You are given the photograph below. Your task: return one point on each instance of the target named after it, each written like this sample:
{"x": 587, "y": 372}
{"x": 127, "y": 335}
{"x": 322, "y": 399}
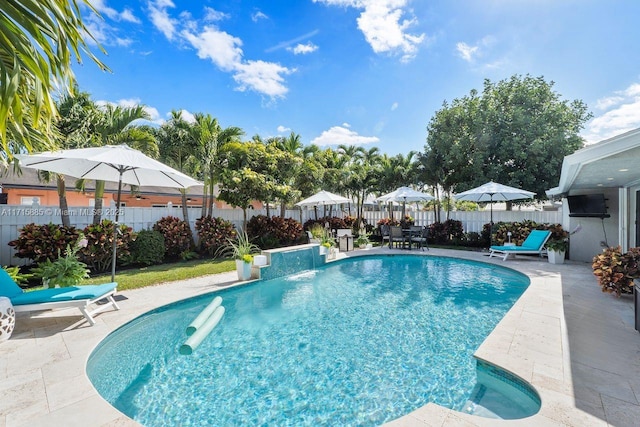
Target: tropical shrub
{"x": 448, "y": 232}
{"x": 99, "y": 250}
{"x": 274, "y": 232}
{"x": 334, "y": 223}
{"x": 616, "y": 271}
{"x": 147, "y": 248}
{"x": 214, "y": 233}
{"x": 475, "y": 240}
{"x": 388, "y": 221}
{"x": 43, "y": 242}
{"x": 177, "y": 236}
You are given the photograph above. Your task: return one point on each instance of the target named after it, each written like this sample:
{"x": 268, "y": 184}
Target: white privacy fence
{"x": 13, "y": 218}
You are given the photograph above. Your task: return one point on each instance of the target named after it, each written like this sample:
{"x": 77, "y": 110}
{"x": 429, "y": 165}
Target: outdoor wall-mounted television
{"x": 588, "y": 206}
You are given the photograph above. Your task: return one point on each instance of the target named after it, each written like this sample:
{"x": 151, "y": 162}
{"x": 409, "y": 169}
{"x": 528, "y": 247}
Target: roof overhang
{"x": 612, "y": 163}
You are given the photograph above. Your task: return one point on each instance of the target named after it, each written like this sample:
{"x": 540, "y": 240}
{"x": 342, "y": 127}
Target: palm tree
{"x": 38, "y": 40}
{"x": 177, "y": 149}
{"x": 75, "y": 128}
{"x": 115, "y": 127}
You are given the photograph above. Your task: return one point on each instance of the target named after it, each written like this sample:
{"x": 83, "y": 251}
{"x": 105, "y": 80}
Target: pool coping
{"x": 552, "y": 338}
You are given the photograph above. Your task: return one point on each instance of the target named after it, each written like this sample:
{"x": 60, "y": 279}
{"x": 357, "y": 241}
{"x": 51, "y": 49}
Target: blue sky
{"x": 369, "y": 72}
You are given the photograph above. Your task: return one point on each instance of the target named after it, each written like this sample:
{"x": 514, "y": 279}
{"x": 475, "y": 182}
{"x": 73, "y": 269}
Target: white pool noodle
{"x": 203, "y": 316}
{"x": 194, "y": 340}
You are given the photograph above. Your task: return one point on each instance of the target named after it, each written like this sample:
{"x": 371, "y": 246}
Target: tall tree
{"x": 177, "y": 148}
{"x": 75, "y": 128}
{"x": 516, "y": 132}
{"x": 39, "y": 38}
{"x": 115, "y": 126}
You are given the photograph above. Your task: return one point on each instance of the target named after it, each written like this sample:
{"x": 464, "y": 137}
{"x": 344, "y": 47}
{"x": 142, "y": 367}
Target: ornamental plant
{"x": 616, "y": 271}
{"x": 66, "y": 270}
{"x": 213, "y": 233}
{"x": 41, "y": 242}
{"x": 241, "y": 247}
{"x": 177, "y": 236}
{"x": 98, "y": 254}
{"x": 275, "y": 231}
{"x": 147, "y": 248}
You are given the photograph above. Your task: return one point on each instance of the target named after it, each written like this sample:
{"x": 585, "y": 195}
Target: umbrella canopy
{"x": 118, "y": 163}
{"x": 109, "y": 163}
{"x": 494, "y": 192}
{"x": 323, "y": 198}
{"x": 404, "y": 195}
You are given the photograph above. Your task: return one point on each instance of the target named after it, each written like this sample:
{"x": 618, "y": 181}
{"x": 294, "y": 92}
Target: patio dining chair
{"x": 397, "y": 236}
{"x": 419, "y": 236}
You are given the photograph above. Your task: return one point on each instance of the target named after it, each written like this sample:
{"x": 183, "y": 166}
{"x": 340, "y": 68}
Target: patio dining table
{"x": 410, "y": 233}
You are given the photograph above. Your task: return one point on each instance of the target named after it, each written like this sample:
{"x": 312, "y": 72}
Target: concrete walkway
{"x": 574, "y": 344}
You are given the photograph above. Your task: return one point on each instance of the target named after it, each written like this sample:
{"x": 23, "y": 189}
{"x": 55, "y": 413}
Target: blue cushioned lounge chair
{"x": 533, "y": 244}
{"x": 48, "y": 299}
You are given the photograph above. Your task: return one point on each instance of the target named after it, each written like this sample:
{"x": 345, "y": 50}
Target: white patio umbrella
{"x": 323, "y": 198}
{"x": 404, "y": 195}
{"x": 494, "y": 192}
{"x": 118, "y": 163}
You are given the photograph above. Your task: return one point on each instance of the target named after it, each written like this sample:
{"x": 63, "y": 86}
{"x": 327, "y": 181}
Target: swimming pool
{"x": 357, "y": 342}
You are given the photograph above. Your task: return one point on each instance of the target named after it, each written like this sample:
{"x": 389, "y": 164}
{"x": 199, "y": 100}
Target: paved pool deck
{"x": 574, "y": 344}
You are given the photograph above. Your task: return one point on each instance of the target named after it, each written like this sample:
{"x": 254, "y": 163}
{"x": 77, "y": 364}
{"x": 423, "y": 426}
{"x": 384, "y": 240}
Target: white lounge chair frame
{"x": 83, "y": 305}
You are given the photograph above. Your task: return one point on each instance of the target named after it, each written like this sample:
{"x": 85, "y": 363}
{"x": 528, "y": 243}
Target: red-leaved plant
{"x": 616, "y": 271}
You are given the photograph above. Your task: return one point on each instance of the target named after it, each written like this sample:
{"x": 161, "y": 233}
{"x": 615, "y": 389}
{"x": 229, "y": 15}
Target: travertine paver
{"x": 575, "y": 345}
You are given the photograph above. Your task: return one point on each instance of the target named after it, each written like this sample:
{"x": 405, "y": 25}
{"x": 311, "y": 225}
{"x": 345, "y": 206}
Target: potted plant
{"x": 616, "y": 271}
{"x": 65, "y": 271}
{"x": 362, "y": 240}
{"x": 242, "y": 251}
{"x": 556, "y": 249}
{"x": 326, "y": 242}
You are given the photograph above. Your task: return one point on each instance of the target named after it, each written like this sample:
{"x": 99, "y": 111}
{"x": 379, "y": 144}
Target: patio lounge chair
{"x": 48, "y": 299}
{"x": 533, "y": 244}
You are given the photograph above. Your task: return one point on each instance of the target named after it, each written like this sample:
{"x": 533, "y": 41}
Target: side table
{"x": 7, "y": 318}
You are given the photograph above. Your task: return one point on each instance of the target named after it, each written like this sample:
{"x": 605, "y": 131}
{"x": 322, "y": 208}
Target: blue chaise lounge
{"x": 533, "y": 244}
{"x": 81, "y": 297}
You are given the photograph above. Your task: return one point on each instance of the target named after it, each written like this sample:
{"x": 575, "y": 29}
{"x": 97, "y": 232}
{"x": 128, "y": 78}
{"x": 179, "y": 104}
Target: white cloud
{"x": 470, "y": 52}
{"x": 104, "y": 33}
{"x": 621, "y": 113}
{"x": 394, "y": 106}
{"x": 161, "y": 19}
{"x": 218, "y": 46}
{"x": 465, "y": 51}
{"x": 111, "y": 13}
{"x": 283, "y": 129}
{"x": 255, "y": 17}
{"x": 303, "y": 49}
{"x": 213, "y": 15}
{"x": 263, "y": 77}
{"x": 343, "y": 135}
{"x": 223, "y": 49}
{"x": 383, "y": 27}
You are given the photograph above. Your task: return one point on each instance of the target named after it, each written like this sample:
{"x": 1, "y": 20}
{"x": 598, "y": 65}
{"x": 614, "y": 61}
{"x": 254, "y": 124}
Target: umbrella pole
{"x": 115, "y": 231}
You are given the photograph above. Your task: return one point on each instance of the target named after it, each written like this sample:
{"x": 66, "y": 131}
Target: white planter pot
{"x": 324, "y": 250}
{"x": 555, "y": 257}
{"x": 7, "y": 318}
{"x": 243, "y": 269}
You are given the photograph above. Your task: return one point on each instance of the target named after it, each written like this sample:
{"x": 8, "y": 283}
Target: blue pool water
{"x": 357, "y": 342}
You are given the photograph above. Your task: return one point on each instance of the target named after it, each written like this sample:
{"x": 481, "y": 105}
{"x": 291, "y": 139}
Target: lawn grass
{"x": 148, "y": 276}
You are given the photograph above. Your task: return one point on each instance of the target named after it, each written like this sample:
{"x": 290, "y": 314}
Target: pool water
{"x": 357, "y": 342}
